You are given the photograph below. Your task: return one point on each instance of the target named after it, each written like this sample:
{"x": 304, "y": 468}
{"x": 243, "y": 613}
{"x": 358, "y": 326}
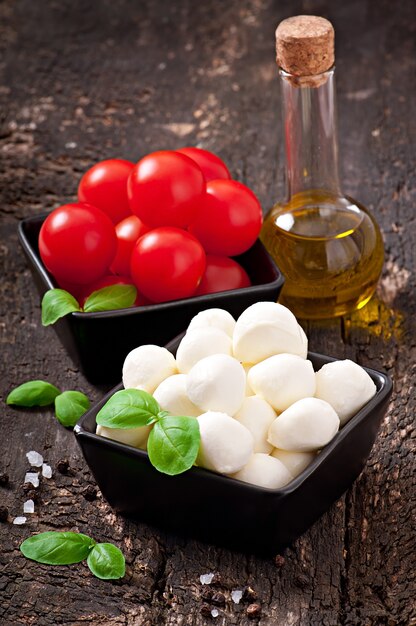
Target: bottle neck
{"x": 310, "y": 129}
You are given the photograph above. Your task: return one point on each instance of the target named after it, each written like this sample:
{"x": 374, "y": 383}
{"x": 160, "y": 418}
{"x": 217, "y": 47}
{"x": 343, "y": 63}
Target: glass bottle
{"x": 327, "y": 245}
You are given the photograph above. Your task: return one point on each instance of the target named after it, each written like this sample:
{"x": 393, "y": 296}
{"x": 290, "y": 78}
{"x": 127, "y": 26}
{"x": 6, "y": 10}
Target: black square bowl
{"x": 99, "y": 342}
{"x": 222, "y": 510}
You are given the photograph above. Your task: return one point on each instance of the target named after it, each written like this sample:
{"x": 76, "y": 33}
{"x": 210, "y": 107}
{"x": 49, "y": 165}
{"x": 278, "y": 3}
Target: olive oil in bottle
{"x": 327, "y": 245}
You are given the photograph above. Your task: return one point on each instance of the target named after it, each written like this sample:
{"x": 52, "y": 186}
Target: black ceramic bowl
{"x": 222, "y": 510}
{"x": 99, "y": 342}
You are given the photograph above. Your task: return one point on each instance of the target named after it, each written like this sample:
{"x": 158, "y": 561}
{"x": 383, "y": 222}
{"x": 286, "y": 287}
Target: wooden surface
{"x": 82, "y": 81}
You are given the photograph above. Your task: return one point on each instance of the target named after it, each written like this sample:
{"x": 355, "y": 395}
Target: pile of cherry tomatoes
{"x": 167, "y": 224}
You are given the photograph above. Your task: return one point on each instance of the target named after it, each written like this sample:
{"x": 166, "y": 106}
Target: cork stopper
{"x": 305, "y": 45}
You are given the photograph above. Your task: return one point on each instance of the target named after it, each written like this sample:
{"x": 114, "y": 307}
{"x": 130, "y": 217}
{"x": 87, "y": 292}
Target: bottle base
{"x": 316, "y": 308}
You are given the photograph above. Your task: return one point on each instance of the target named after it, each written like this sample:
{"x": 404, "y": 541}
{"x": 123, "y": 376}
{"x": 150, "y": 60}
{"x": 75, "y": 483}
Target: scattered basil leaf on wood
{"x": 57, "y": 548}
{"x": 66, "y": 548}
{"x": 69, "y": 406}
{"x": 33, "y": 393}
{"x": 106, "y": 561}
{"x": 109, "y": 298}
{"x": 57, "y": 303}
{"x": 173, "y": 444}
{"x": 128, "y": 408}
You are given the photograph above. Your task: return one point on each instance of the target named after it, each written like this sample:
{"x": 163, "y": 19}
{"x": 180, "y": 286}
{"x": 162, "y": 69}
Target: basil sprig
{"x": 69, "y": 405}
{"x": 105, "y": 560}
{"x": 33, "y": 393}
{"x": 173, "y": 442}
{"x": 57, "y": 303}
{"x": 57, "y": 548}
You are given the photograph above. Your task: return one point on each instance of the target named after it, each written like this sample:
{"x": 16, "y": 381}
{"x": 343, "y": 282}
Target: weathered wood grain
{"x": 83, "y": 81}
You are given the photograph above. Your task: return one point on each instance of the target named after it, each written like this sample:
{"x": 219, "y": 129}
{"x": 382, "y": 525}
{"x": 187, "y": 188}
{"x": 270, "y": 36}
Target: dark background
{"x": 84, "y": 81}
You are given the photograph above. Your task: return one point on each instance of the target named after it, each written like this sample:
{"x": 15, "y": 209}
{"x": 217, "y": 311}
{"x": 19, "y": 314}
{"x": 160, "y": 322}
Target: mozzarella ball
{"x": 346, "y": 386}
{"x": 226, "y": 445}
{"x": 136, "y": 437}
{"x": 295, "y": 462}
{"x": 264, "y": 471}
{"x": 217, "y": 383}
{"x": 282, "y": 380}
{"x": 171, "y": 396}
{"x": 146, "y": 366}
{"x": 265, "y": 329}
{"x": 215, "y": 318}
{"x": 199, "y": 343}
{"x": 307, "y": 425}
{"x": 257, "y": 415}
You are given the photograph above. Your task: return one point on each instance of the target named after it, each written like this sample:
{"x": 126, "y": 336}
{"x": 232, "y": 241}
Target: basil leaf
{"x": 106, "y": 561}
{"x": 69, "y": 406}
{"x": 57, "y": 548}
{"x": 128, "y": 408}
{"x": 109, "y": 298}
{"x": 33, "y": 393}
{"x": 55, "y": 304}
{"x": 173, "y": 444}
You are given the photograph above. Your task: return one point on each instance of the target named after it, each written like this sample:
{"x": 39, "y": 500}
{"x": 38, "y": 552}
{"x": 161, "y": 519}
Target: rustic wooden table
{"x": 82, "y": 81}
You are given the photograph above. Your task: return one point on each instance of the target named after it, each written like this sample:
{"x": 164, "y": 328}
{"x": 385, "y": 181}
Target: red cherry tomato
{"x": 165, "y": 188}
{"x": 128, "y": 232}
{"x": 108, "y": 281}
{"x": 222, "y": 274}
{"x": 212, "y": 166}
{"x": 167, "y": 264}
{"x": 77, "y": 243}
{"x": 105, "y": 186}
{"x": 229, "y": 219}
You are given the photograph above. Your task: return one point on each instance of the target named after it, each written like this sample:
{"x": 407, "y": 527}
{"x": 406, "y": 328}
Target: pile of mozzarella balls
{"x": 263, "y": 412}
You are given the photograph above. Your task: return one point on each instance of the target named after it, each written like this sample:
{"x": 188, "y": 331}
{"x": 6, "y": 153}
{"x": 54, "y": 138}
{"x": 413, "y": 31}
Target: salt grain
{"x": 19, "y": 521}
{"x": 206, "y": 579}
{"x": 214, "y": 612}
{"x": 33, "y": 478}
{"x": 35, "y": 459}
{"x": 29, "y": 506}
{"x": 46, "y": 471}
{"x": 236, "y": 596}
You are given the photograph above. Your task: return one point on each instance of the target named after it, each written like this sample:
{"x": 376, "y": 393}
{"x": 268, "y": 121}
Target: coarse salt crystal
{"x": 35, "y": 459}
{"x": 214, "y": 612}
{"x": 19, "y": 521}
{"x": 32, "y": 477}
{"x": 206, "y": 579}
{"x": 29, "y": 506}
{"x": 46, "y": 471}
{"x": 236, "y": 596}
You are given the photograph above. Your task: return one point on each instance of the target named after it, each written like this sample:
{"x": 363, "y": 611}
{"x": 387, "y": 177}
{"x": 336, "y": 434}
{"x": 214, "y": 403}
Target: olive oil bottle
{"x": 327, "y": 245}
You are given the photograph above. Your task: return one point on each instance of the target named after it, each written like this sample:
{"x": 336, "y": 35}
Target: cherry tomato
{"x": 222, "y": 274}
{"x": 128, "y": 232}
{"x": 108, "y": 281}
{"x": 105, "y": 186}
{"x": 229, "y": 219}
{"x": 77, "y": 243}
{"x": 167, "y": 264}
{"x": 165, "y": 188}
{"x": 212, "y": 166}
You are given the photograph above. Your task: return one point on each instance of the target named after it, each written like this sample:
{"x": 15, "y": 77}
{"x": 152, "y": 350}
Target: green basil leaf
{"x": 128, "y": 408}
{"x": 33, "y": 393}
{"x": 109, "y": 298}
{"x": 69, "y": 406}
{"x": 106, "y": 561}
{"x": 173, "y": 444}
{"x": 57, "y": 548}
{"x": 57, "y": 303}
